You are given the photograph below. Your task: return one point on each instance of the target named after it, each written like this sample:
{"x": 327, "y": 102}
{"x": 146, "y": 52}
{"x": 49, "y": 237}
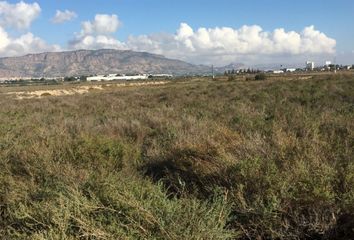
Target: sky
{"x": 216, "y": 32}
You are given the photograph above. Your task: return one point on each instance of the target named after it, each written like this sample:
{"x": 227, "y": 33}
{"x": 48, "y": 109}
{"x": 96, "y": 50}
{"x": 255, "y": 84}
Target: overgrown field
{"x": 187, "y": 160}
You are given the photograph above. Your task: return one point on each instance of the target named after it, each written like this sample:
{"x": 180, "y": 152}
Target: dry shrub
{"x": 190, "y": 160}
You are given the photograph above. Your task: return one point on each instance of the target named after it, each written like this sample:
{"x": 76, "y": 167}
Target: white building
{"x": 310, "y": 65}
{"x": 278, "y": 71}
{"x": 112, "y": 77}
{"x": 290, "y": 69}
{"x": 327, "y": 65}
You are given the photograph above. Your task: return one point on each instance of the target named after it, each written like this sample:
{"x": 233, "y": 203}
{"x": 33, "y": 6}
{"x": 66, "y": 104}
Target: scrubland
{"x": 199, "y": 159}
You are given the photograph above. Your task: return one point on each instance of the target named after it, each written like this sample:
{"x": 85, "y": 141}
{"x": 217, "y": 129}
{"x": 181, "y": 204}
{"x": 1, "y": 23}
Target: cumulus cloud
{"x": 26, "y": 43}
{"x": 63, "y": 16}
{"x": 208, "y": 45}
{"x": 97, "y": 33}
{"x": 4, "y": 38}
{"x": 227, "y": 44}
{"x": 102, "y": 24}
{"x": 19, "y": 15}
{"x": 96, "y": 42}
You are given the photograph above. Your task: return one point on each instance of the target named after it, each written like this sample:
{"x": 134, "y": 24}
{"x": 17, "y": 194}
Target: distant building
{"x": 327, "y": 66}
{"x": 278, "y": 71}
{"x": 310, "y": 65}
{"x": 290, "y": 69}
{"x": 112, "y": 77}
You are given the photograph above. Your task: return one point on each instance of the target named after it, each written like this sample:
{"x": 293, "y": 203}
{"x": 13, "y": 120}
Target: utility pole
{"x": 212, "y": 71}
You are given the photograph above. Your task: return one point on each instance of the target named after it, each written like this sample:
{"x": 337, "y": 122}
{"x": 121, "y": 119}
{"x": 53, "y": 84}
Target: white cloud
{"x": 63, "y": 16}
{"x": 26, "y": 43}
{"x": 19, "y": 15}
{"x": 222, "y": 45}
{"x": 97, "y": 34}
{"x": 96, "y": 42}
{"x": 4, "y": 38}
{"x": 102, "y": 24}
{"x": 209, "y": 45}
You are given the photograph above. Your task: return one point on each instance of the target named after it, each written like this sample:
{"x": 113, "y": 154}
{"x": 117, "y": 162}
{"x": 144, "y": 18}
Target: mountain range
{"x": 91, "y": 62}
{"x": 106, "y": 61}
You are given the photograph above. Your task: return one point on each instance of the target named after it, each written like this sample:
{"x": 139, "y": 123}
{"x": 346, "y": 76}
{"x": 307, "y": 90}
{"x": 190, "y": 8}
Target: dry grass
{"x": 190, "y": 160}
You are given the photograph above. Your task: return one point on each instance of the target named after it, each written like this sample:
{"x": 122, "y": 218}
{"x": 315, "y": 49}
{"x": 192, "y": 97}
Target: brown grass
{"x": 200, "y": 159}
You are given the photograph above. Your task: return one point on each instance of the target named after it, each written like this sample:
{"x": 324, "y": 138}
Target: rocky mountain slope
{"x": 90, "y": 62}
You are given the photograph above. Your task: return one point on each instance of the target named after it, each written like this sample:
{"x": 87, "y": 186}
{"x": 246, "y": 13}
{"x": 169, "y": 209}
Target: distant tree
{"x": 69, "y": 79}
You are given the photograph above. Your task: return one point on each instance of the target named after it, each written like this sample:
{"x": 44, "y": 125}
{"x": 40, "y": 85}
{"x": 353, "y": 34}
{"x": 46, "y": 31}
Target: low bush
{"x": 261, "y": 76}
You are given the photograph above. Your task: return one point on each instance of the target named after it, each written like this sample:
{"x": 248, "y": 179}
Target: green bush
{"x": 261, "y": 76}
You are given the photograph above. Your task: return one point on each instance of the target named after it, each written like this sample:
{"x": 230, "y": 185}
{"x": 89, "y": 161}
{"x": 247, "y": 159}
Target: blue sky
{"x": 160, "y": 21}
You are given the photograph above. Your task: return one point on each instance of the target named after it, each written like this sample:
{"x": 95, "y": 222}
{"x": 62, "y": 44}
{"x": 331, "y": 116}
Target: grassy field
{"x": 200, "y": 159}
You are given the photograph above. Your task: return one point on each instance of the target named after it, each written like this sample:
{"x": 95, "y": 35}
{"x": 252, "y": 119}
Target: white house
{"x": 112, "y": 77}
{"x": 161, "y": 75}
{"x": 310, "y": 65}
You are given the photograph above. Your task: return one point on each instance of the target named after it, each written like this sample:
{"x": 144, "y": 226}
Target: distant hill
{"x": 231, "y": 66}
{"x": 89, "y": 62}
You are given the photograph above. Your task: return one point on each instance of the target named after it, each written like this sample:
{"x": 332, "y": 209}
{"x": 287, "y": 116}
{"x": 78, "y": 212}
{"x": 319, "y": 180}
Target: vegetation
{"x": 231, "y": 77}
{"x": 187, "y": 160}
{"x": 261, "y": 76}
{"x": 31, "y": 82}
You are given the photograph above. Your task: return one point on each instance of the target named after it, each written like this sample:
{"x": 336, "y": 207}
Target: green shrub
{"x": 261, "y": 76}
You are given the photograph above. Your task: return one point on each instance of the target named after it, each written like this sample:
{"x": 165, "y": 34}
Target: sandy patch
{"x": 305, "y": 78}
{"x": 76, "y": 90}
